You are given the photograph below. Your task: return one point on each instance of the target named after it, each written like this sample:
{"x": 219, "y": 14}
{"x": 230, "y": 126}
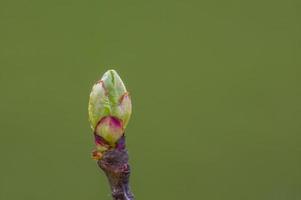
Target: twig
{"x": 117, "y": 169}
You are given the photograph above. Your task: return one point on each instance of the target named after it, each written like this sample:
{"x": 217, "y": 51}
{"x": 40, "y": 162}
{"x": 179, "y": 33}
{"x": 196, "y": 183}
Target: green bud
{"x": 110, "y": 107}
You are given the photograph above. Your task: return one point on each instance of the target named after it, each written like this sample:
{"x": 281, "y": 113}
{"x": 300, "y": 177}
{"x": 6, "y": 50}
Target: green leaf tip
{"x": 109, "y": 107}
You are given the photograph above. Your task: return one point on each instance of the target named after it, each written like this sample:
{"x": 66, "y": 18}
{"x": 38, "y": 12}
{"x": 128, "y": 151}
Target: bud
{"x": 110, "y": 109}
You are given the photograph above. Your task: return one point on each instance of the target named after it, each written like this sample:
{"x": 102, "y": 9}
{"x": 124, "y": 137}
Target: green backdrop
{"x": 215, "y": 87}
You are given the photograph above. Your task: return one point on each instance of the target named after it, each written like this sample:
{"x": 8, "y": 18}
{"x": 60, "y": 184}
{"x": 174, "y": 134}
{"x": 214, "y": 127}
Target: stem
{"x": 117, "y": 169}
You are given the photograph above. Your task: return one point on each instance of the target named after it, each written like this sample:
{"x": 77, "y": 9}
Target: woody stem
{"x": 117, "y": 169}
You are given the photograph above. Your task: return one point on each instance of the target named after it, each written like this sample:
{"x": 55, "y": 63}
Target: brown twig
{"x": 117, "y": 169}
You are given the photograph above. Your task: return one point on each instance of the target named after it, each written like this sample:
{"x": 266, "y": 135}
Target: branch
{"x": 117, "y": 169}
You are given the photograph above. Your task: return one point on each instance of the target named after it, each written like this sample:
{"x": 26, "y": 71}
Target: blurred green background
{"x": 215, "y": 88}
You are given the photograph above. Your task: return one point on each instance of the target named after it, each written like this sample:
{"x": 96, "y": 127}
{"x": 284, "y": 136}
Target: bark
{"x": 117, "y": 169}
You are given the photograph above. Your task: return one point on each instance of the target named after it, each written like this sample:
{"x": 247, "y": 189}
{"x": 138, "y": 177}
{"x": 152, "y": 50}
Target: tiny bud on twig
{"x": 110, "y": 109}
